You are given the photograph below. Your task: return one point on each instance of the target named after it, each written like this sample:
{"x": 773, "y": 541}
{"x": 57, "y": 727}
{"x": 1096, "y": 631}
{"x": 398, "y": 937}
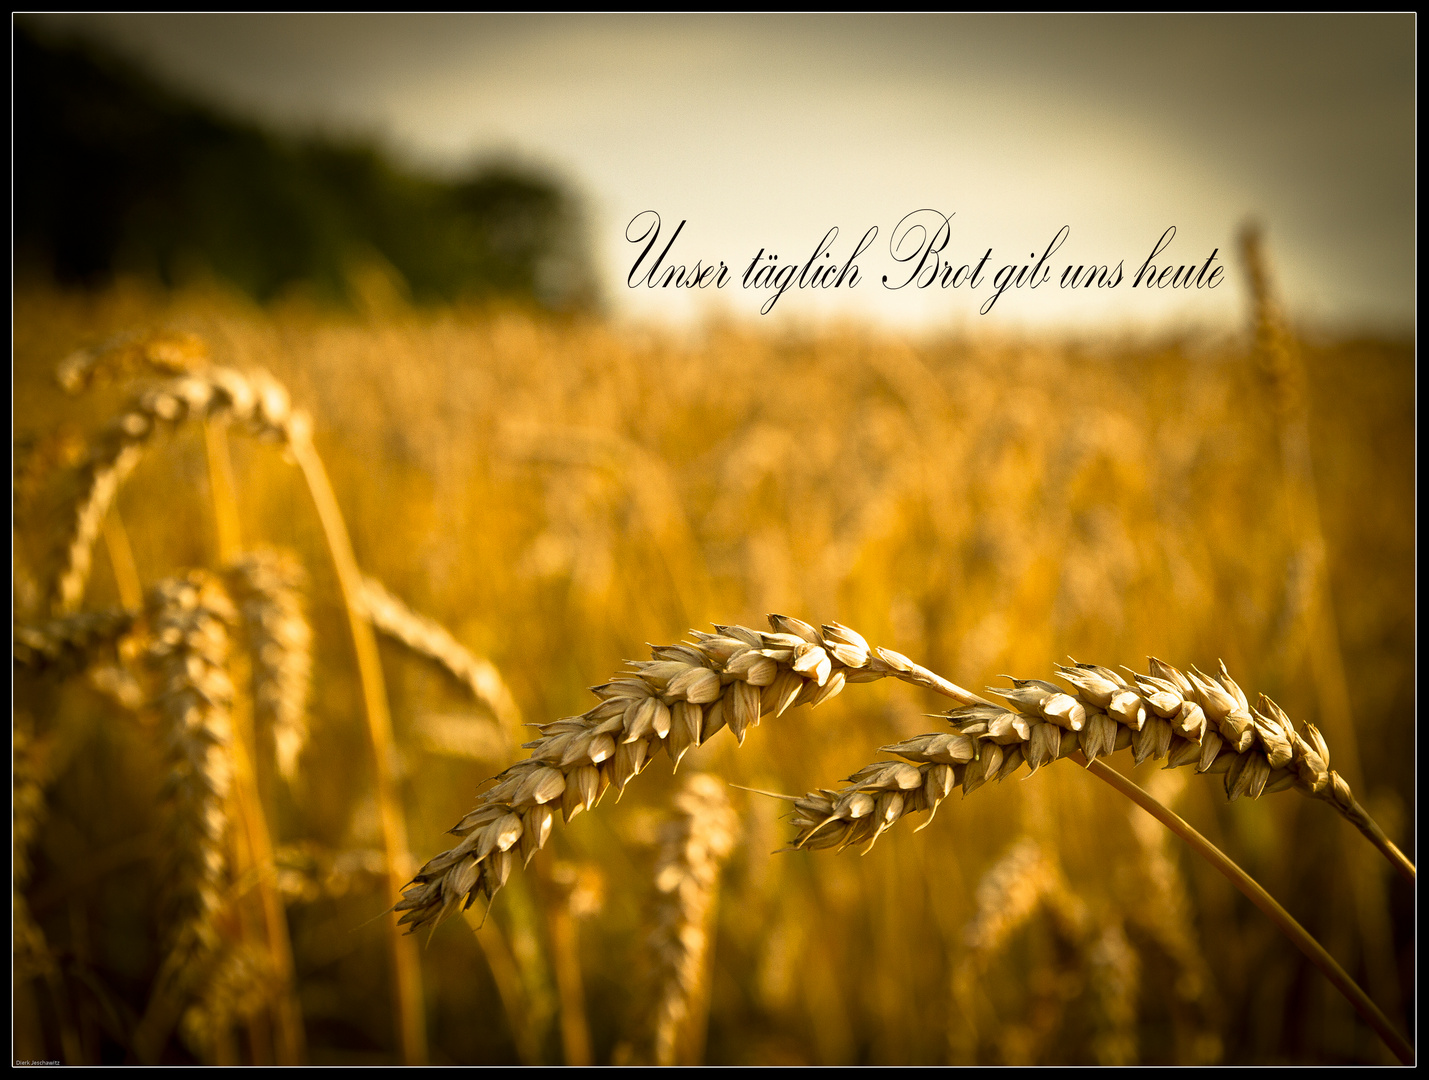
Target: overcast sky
{"x": 766, "y": 131}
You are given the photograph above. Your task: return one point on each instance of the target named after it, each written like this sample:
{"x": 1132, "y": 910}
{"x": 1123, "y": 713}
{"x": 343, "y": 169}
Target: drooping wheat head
{"x": 1190, "y": 719}
{"x": 679, "y": 698}
{"x": 429, "y": 638}
{"x": 254, "y": 400}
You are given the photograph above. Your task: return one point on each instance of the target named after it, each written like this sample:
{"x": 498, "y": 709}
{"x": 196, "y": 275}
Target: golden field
{"x": 558, "y": 494}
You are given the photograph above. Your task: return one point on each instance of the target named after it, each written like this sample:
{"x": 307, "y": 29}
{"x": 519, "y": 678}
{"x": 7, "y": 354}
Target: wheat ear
{"x": 190, "y": 618}
{"x": 427, "y": 637}
{"x": 239, "y": 988}
{"x": 267, "y": 587}
{"x": 693, "y": 847}
{"x": 1188, "y": 719}
{"x": 256, "y": 401}
{"x": 33, "y": 770}
{"x": 189, "y": 621}
{"x": 679, "y": 698}
{"x": 1023, "y": 885}
{"x": 71, "y": 643}
{"x": 126, "y": 355}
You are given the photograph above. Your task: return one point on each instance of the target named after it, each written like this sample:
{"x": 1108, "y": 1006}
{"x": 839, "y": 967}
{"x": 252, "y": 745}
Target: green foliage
{"x": 115, "y": 174}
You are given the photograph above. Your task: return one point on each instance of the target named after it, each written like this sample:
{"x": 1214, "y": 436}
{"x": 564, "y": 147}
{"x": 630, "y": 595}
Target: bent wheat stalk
{"x": 411, "y": 1018}
{"x": 255, "y": 401}
{"x": 1267, "y": 903}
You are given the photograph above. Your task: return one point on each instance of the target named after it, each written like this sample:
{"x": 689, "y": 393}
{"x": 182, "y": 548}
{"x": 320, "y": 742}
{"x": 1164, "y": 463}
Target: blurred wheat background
{"x": 554, "y": 490}
{"x": 558, "y": 493}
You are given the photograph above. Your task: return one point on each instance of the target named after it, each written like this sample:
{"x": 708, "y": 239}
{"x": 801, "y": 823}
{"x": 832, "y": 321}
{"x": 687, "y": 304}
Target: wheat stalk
{"x": 408, "y": 995}
{"x": 693, "y": 847}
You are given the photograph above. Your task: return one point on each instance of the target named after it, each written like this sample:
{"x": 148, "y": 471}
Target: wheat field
{"x": 204, "y": 837}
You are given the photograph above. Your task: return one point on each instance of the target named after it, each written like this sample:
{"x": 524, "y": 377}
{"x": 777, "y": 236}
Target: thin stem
{"x": 1263, "y": 900}
{"x": 291, "y": 1038}
{"x": 507, "y": 976}
{"x": 565, "y": 960}
{"x": 121, "y": 561}
{"x": 411, "y": 1021}
{"x": 1359, "y": 817}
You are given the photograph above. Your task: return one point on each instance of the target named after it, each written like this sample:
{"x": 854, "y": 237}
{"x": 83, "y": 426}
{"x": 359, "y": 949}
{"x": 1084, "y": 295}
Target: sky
{"x": 762, "y": 133}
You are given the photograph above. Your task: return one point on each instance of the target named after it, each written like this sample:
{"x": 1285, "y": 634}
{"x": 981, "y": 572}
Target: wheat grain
{"x": 255, "y": 401}
{"x": 267, "y": 588}
{"x": 692, "y": 848}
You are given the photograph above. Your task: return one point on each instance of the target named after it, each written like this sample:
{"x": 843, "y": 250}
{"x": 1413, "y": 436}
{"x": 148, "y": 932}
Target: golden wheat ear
{"x": 694, "y": 846}
{"x": 1257, "y": 750}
